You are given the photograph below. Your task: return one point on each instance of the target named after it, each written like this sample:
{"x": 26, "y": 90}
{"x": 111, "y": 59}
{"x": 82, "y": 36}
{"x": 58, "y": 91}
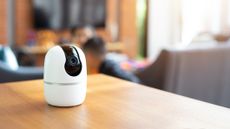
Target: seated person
{"x": 95, "y": 52}
{"x": 81, "y": 34}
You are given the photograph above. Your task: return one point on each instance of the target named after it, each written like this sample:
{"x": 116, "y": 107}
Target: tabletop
{"x": 111, "y": 103}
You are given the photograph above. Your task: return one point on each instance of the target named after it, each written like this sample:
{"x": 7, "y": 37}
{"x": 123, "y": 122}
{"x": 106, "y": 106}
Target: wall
{"x": 128, "y": 26}
{"x": 3, "y": 22}
{"x": 23, "y": 20}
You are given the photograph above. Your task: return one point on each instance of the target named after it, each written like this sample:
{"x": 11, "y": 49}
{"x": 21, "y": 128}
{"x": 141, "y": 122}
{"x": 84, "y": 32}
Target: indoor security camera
{"x": 65, "y": 76}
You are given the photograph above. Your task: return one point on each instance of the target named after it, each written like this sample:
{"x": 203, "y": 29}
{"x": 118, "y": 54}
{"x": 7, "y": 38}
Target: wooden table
{"x": 110, "y": 104}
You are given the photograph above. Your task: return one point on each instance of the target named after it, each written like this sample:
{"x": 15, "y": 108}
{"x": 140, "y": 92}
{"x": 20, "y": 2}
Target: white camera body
{"x": 65, "y": 76}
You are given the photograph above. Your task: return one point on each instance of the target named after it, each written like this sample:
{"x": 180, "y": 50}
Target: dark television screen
{"x": 59, "y": 14}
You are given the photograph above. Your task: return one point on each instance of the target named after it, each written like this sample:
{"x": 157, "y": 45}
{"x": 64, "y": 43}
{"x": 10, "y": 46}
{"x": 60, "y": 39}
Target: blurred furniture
{"x": 46, "y": 38}
{"x": 7, "y": 56}
{"x": 10, "y": 71}
{"x": 111, "y": 103}
{"x": 201, "y": 73}
{"x": 115, "y": 47}
{"x": 40, "y": 51}
{"x": 22, "y": 73}
{"x": 37, "y": 51}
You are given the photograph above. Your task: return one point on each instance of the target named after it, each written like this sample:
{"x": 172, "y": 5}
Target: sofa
{"x": 200, "y": 73}
{"x": 20, "y": 74}
{"x": 10, "y": 70}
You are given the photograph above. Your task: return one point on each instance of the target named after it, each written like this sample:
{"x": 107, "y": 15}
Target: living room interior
{"x": 174, "y": 47}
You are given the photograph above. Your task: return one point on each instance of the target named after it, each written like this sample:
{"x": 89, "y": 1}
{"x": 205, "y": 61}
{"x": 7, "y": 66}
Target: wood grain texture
{"x": 110, "y": 104}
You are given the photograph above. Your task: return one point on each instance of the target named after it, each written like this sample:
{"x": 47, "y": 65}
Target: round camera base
{"x": 64, "y": 95}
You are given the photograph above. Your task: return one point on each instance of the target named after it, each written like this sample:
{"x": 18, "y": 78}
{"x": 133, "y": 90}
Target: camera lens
{"x": 73, "y": 64}
{"x": 73, "y": 61}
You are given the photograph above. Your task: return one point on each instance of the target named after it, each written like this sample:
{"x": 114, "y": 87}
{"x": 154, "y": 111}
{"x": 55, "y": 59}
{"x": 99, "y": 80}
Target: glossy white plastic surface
{"x": 61, "y": 89}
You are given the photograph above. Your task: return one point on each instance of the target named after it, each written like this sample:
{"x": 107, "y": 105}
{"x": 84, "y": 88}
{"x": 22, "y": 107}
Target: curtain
{"x": 177, "y": 22}
{"x": 164, "y": 25}
{"x": 204, "y": 16}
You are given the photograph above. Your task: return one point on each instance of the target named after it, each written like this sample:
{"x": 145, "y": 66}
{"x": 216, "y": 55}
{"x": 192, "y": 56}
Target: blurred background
{"x": 181, "y": 46}
{"x": 34, "y": 25}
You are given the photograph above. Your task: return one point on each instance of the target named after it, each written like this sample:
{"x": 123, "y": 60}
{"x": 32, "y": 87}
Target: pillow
{"x": 1, "y": 54}
{"x": 7, "y": 56}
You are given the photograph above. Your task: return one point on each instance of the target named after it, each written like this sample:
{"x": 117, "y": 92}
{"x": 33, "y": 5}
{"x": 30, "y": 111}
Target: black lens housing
{"x": 73, "y": 65}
